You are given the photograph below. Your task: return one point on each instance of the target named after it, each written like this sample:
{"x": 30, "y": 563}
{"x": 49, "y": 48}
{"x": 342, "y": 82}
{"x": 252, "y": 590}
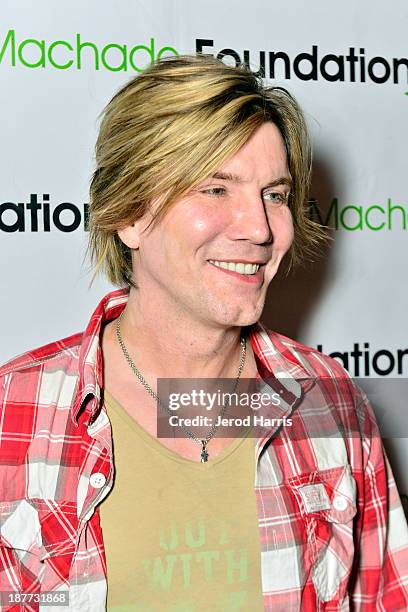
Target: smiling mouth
{"x": 248, "y": 269}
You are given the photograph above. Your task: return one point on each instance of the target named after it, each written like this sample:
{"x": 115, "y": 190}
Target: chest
{"x": 143, "y": 408}
{"x": 142, "y": 411}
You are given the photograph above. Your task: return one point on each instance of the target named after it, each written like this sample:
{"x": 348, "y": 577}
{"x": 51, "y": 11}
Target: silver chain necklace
{"x": 204, "y": 442}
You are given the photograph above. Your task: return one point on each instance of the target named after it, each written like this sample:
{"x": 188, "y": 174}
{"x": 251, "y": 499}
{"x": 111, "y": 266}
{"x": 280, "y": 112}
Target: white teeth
{"x": 236, "y": 267}
{"x": 241, "y": 268}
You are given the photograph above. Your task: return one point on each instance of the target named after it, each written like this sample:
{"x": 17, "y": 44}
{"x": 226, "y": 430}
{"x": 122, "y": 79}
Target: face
{"x": 216, "y": 250}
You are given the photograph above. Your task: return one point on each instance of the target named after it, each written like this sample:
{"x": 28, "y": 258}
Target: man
{"x": 198, "y": 194}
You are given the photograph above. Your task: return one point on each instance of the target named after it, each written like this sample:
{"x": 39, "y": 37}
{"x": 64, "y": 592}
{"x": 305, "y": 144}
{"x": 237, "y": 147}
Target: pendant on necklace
{"x": 204, "y": 452}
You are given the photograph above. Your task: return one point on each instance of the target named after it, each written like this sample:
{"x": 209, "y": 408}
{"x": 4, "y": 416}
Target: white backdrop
{"x": 48, "y": 114}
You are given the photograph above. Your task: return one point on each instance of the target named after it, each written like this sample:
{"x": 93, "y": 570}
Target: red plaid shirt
{"x": 332, "y": 530}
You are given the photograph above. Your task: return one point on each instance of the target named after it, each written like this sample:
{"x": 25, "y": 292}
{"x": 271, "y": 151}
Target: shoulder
{"x": 60, "y": 355}
{"x": 37, "y": 392}
{"x": 313, "y": 361}
{"x": 306, "y": 362}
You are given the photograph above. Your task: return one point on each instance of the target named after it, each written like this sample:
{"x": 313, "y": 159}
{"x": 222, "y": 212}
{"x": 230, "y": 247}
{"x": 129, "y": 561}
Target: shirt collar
{"x": 277, "y": 365}
{"x": 90, "y": 356}
{"x": 282, "y": 372}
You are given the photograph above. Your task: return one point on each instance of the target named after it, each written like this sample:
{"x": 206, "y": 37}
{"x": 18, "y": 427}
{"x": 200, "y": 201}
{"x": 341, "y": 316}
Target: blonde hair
{"x": 170, "y": 128}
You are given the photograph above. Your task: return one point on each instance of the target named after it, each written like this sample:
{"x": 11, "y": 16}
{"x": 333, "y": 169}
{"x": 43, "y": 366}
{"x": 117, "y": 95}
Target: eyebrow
{"x": 235, "y": 178}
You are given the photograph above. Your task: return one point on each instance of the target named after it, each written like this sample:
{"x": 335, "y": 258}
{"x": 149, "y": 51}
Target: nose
{"x": 250, "y": 221}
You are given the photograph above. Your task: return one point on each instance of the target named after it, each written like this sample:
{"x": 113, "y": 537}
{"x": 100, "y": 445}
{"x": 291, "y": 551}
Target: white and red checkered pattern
{"x": 332, "y": 530}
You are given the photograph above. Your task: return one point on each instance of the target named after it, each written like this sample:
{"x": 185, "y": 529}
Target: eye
{"x": 216, "y": 192}
{"x": 276, "y": 197}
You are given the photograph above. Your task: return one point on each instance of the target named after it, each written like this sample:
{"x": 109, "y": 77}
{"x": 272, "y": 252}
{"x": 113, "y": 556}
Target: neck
{"x": 171, "y": 344}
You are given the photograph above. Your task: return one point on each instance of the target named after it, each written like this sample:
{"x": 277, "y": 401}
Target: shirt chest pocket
{"x": 326, "y": 501}
{"x": 42, "y": 534}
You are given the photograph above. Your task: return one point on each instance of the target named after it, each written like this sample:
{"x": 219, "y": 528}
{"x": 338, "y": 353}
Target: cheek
{"x": 282, "y": 229}
{"x": 179, "y": 236}
{"x": 195, "y": 224}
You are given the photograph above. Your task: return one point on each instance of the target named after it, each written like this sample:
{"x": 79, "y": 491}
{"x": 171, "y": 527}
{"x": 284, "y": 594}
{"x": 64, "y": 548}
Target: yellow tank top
{"x": 179, "y": 535}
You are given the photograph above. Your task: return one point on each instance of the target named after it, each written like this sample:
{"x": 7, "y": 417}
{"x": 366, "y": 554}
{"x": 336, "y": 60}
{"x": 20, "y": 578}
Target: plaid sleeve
{"x": 381, "y": 570}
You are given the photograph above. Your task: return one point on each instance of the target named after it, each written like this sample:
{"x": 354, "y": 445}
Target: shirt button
{"x": 97, "y": 480}
{"x": 340, "y": 502}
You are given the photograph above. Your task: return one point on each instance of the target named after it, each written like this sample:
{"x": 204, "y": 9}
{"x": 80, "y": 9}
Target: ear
{"x": 130, "y": 234}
